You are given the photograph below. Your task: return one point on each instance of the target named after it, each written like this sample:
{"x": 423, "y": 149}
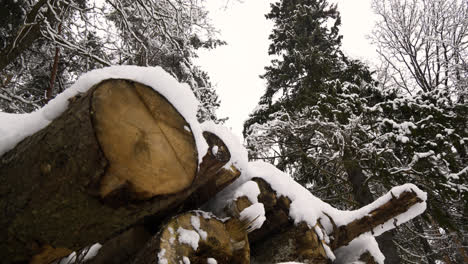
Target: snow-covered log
{"x": 197, "y": 237}
{"x": 120, "y": 152}
{"x": 288, "y": 223}
{"x": 276, "y": 238}
{"x": 111, "y": 159}
{"x": 384, "y": 216}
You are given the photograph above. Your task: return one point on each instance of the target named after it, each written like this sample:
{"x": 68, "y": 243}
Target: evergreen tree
{"x": 314, "y": 92}
{"x": 310, "y": 121}
{"x": 324, "y": 120}
{"x": 422, "y": 139}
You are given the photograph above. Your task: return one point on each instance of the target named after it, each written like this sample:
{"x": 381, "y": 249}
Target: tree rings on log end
{"x": 196, "y": 237}
{"x": 145, "y": 140}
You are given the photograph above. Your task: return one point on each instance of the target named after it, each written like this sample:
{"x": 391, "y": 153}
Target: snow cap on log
{"x": 233, "y": 143}
{"x": 62, "y": 167}
{"x": 15, "y": 127}
{"x": 396, "y": 207}
{"x": 308, "y": 208}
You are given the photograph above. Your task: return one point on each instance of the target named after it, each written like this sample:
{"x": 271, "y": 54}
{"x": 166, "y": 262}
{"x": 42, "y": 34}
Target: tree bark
{"x": 279, "y": 240}
{"x": 295, "y": 243}
{"x": 100, "y": 168}
{"x": 122, "y": 248}
{"x": 424, "y": 243}
{"x": 394, "y": 207}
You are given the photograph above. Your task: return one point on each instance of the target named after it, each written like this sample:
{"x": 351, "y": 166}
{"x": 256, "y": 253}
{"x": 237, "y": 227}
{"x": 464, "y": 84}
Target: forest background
{"x": 346, "y": 130}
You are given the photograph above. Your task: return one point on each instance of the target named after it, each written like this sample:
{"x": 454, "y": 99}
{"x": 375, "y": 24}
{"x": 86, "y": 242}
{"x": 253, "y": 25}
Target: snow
{"x": 185, "y": 260}
{"x": 319, "y": 232}
{"x": 161, "y": 258}
{"x": 188, "y": 237}
{"x": 90, "y": 252}
{"x": 404, "y": 128}
{"x": 250, "y": 190}
{"x": 329, "y": 252}
{"x": 403, "y": 139}
{"x": 457, "y": 175}
{"x": 195, "y": 221}
{"x": 206, "y": 215}
{"x": 211, "y": 261}
{"x": 93, "y": 250}
{"x": 172, "y": 239}
{"x": 16, "y": 127}
{"x": 307, "y": 208}
{"x": 238, "y": 160}
{"x": 357, "y": 247}
{"x": 304, "y": 206}
{"x": 232, "y": 142}
{"x": 254, "y": 215}
{"x": 449, "y": 131}
{"x": 420, "y": 155}
{"x": 414, "y": 211}
{"x": 214, "y": 150}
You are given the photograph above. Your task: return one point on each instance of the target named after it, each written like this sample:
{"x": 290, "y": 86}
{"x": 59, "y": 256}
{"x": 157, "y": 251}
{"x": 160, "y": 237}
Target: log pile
{"x": 280, "y": 240}
{"x": 106, "y": 164}
{"x": 121, "y": 167}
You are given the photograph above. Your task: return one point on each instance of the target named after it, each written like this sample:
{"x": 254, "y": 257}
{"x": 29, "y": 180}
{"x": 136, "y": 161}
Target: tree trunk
{"x": 425, "y": 244}
{"x": 363, "y": 196}
{"x": 118, "y": 156}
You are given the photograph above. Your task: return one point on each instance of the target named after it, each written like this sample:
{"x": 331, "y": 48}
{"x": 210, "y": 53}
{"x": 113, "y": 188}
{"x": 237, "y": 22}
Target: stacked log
{"x": 120, "y": 167}
{"x": 280, "y": 240}
{"x": 118, "y": 156}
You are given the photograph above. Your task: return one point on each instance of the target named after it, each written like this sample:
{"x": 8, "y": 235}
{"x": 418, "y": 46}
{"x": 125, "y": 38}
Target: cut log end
{"x": 196, "y": 237}
{"x": 144, "y": 139}
{"x": 93, "y": 171}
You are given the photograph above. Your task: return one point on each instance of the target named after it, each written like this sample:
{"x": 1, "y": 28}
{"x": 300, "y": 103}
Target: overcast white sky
{"x": 235, "y": 68}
